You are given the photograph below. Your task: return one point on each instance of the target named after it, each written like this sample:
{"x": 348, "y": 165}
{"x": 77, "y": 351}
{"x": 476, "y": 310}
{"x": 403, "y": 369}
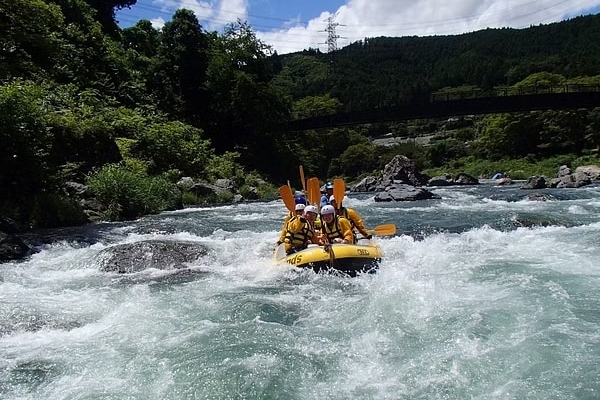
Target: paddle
{"x": 287, "y": 197}
{"x": 314, "y": 192}
{"x": 339, "y": 191}
{"x": 384, "y": 230}
{"x": 302, "y": 179}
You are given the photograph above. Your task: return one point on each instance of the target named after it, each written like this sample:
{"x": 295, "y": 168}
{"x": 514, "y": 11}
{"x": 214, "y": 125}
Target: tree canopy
{"x": 80, "y": 96}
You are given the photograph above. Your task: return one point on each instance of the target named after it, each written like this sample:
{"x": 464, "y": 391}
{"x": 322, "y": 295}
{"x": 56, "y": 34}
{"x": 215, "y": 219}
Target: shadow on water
{"x": 165, "y": 280}
{"x": 32, "y": 321}
{"x": 29, "y": 375}
{"x": 504, "y": 223}
{"x": 78, "y": 236}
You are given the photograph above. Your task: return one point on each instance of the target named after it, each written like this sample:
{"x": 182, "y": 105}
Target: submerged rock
{"x": 12, "y": 247}
{"x": 159, "y": 254}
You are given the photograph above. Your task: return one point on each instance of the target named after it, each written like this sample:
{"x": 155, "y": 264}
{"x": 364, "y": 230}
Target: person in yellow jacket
{"x": 300, "y": 231}
{"x": 352, "y": 216}
{"x": 299, "y": 210}
{"x": 335, "y": 228}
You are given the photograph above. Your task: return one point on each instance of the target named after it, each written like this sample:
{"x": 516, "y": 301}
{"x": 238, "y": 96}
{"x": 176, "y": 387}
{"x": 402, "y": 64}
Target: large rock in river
{"x": 159, "y": 254}
{"x": 402, "y": 192}
{"x": 402, "y": 169}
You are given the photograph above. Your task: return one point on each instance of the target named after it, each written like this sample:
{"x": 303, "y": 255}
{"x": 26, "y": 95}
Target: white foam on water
{"x": 483, "y": 313}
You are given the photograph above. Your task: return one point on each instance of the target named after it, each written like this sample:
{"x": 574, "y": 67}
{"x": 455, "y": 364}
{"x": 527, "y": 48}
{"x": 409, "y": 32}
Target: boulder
{"x": 403, "y": 169}
{"x": 251, "y": 193}
{"x": 576, "y": 180}
{"x": 465, "y": 179}
{"x": 535, "y": 182}
{"x": 159, "y": 254}
{"x": 591, "y": 171}
{"x": 540, "y": 197}
{"x": 226, "y": 184}
{"x": 563, "y": 170}
{"x": 203, "y": 189}
{"x": 442, "y": 180}
{"x": 79, "y": 190}
{"x": 185, "y": 183}
{"x": 368, "y": 184}
{"x": 403, "y": 192}
{"x": 12, "y": 247}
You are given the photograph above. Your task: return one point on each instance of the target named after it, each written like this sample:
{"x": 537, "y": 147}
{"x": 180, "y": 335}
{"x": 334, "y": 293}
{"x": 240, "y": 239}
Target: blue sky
{"x": 294, "y": 25}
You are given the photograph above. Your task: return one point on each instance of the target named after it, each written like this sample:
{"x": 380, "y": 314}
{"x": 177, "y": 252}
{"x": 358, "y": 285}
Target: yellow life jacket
{"x": 318, "y": 223}
{"x": 343, "y": 212}
{"x": 298, "y": 239}
{"x": 284, "y": 227}
{"x": 333, "y": 231}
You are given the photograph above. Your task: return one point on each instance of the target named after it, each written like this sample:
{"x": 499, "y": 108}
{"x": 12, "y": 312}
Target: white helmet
{"x": 300, "y": 207}
{"x": 312, "y": 209}
{"x": 327, "y": 210}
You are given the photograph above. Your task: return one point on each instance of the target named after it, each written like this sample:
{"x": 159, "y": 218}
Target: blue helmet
{"x": 329, "y": 185}
{"x": 300, "y": 200}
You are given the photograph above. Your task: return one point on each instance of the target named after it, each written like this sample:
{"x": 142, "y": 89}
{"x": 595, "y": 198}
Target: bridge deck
{"x": 449, "y": 104}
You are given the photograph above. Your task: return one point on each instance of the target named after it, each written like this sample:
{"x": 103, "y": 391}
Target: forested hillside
{"x": 385, "y": 70}
{"x": 388, "y": 71}
{"x": 130, "y": 112}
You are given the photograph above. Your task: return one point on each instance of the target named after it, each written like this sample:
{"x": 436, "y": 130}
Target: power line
{"x": 350, "y": 30}
{"x": 428, "y": 23}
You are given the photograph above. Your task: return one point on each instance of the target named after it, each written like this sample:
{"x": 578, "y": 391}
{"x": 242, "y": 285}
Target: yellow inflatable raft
{"x": 350, "y": 259}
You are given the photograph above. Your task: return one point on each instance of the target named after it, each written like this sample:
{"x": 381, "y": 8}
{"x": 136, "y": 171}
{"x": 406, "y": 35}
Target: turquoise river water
{"x": 481, "y": 295}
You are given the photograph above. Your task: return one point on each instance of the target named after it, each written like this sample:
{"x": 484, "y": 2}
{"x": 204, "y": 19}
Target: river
{"x": 482, "y": 294}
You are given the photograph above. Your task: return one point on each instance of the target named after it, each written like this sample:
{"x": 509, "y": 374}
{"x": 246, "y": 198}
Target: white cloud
{"x": 229, "y": 11}
{"x": 213, "y": 15}
{"x": 358, "y": 19}
{"x": 157, "y": 23}
{"x": 202, "y": 9}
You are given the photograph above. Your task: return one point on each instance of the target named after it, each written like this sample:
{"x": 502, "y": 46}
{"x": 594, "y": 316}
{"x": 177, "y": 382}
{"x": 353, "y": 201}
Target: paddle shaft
{"x": 302, "y": 179}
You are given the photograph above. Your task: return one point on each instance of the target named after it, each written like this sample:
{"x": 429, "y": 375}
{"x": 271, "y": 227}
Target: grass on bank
{"x": 516, "y": 168}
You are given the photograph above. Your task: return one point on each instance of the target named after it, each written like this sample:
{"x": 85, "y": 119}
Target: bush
{"x": 54, "y": 210}
{"x": 129, "y": 194}
{"x": 225, "y": 166}
{"x": 173, "y": 145}
{"x": 189, "y": 198}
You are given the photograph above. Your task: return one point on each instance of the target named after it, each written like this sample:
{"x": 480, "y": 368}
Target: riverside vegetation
{"x": 99, "y": 122}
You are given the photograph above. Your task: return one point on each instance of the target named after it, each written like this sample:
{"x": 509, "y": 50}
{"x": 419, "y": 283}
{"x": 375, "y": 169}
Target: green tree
{"x": 142, "y": 37}
{"x": 509, "y": 135}
{"x": 357, "y": 159}
{"x": 105, "y": 13}
{"x": 179, "y": 72}
{"x": 246, "y": 111}
{"x": 173, "y": 146}
{"x": 28, "y": 36}
{"x": 26, "y": 142}
{"x": 314, "y": 106}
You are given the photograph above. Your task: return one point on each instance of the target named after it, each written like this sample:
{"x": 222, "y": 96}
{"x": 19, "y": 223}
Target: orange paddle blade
{"x": 339, "y": 191}
{"x": 302, "y": 180}
{"x": 287, "y": 197}
{"x": 314, "y": 191}
{"x": 384, "y": 230}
